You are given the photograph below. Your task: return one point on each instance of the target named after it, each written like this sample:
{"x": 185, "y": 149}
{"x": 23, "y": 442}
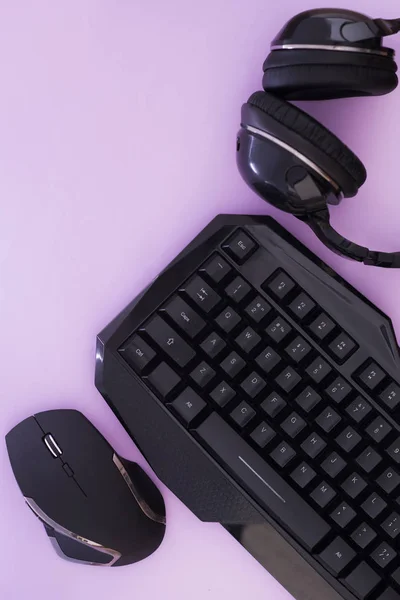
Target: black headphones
{"x": 286, "y": 156}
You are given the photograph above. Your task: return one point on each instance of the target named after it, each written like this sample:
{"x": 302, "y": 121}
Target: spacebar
{"x": 262, "y": 482}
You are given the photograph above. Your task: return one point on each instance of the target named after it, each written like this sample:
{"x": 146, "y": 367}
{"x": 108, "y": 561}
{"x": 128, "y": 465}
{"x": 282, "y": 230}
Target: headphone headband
{"x": 331, "y": 47}
{"x": 319, "y": 222}
{"x": 366, "y": 30}
{"x": 290, "y": 159}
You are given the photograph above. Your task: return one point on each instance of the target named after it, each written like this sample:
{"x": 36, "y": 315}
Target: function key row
{"x": 374, "y": 380}
{"x": 240, "y": 246}
{"x": 338, "y": 343}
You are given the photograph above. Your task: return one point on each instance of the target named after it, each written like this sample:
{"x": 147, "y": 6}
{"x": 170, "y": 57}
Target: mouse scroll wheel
{"x": 52, "y": 445}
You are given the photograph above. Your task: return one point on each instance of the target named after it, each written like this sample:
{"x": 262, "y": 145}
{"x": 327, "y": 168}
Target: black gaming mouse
{"x": 96, "y": 507}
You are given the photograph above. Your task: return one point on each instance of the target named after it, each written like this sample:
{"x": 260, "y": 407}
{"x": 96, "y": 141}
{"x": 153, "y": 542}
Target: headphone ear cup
{"x": 314, "y": 141}
{"x": 300, "y": 75}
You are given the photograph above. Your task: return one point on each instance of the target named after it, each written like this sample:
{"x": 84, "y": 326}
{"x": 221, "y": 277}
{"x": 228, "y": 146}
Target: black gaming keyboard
{"x": 264, "y": 391}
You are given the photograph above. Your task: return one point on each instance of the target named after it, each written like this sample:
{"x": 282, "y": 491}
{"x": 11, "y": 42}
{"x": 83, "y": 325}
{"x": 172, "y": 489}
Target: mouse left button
{"x": 21, "y": 441}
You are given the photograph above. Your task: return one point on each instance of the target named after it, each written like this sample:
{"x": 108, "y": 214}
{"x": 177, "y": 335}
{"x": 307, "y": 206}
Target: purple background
{"x": 117, "y": 145}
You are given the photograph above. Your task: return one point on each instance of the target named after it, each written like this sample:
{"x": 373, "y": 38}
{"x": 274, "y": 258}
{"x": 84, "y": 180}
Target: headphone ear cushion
{"x": 322, "y": 82}
{"x": 309, "y": 129}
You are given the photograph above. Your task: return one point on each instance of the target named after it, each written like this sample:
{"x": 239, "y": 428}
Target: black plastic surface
{"x": 177, "y": 457}
{"x": 94, "y": 501}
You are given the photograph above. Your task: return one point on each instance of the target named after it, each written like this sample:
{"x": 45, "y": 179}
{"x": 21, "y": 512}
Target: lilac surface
{"x": 118, "y": 124}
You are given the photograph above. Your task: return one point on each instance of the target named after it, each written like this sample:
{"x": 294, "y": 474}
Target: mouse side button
{"x": 74, "y": 550}
{"x": 146, "y": 493}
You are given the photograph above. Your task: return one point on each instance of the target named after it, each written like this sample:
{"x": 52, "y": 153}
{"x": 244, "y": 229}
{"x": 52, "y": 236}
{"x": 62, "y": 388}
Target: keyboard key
{"x": 164, "y": 379}
{"x": 362, "y": 581}
{"x": 216, "y": 268}
{"x": 263, "y": 434}
{"x": 258, "y": 309}
{"x": 288, "y": 379}
{"x": 308, "y": 399}
{"x": 343, "y": 515}
{"x": 372, "y": 376}
{"x": 348, "y": 439}
{"x": 240, "y": 247}
{"x": 383, "y": 555}
{"x": 301, "y": 306}
{"x": 169, "y": 341}
{"x": 391, "y": 396}
{"x": 373, "y": 505}
{"x": 394, "y": 450}
{"x": 137, "y": 353}
{"x": 328, "y": 419}
{"x": 283, "y": 454}
{"x": 268, "y": 359}
{"x": 337, "y": 556}
{"x": 188, "y": 405}
{"x": 298, "y": 349}
{"x": 222, "y": 394}
{"x": 342, "y": 347}
{"x": 369, "y": 459}
{"x": 253, "y": 384}
{"x": 378, "y": 429}
{"x": 358, "y": 409}
{"x": 303, "y": 475}
{"x": 293, "y": 425}
{"x": 333, "y": 465}
{"x": 318, "y": 370}
{"x": 338, "y": 390}
{"x": 363, "y": 535}
{"x": 389, "y": 594}
{"x": 201, "y": 293}
{"x": 281, "y": 285}
{"x": 389, "y": 480}
{"x": 228, "y": 319}
{"x": 202, "y": 374}
{"x": 323, "y": 494}
{"x": 313, "y": 445}
{"x": 273, "y": 404}
{"x": 278, "y": 330}
{"x": 213, "y": 345}
{"x": 263, "y": 482}
{"x": 396, "y": 576}
{"x": 248, "y": 340}
{"x": 233, "y": 364}
{"x": 243, "y": 414}
{"x": 184, "y": 316}
{"x": 354, "y": 485}
{"x": 322, "y": 326}
{"x": 391, "y": 525}
{"x": 238, "y": 290}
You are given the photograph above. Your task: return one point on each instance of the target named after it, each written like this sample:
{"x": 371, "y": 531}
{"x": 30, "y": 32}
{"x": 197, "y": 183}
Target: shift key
{"x": 262, "y": 482}
{"x": 169, "y": 341}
